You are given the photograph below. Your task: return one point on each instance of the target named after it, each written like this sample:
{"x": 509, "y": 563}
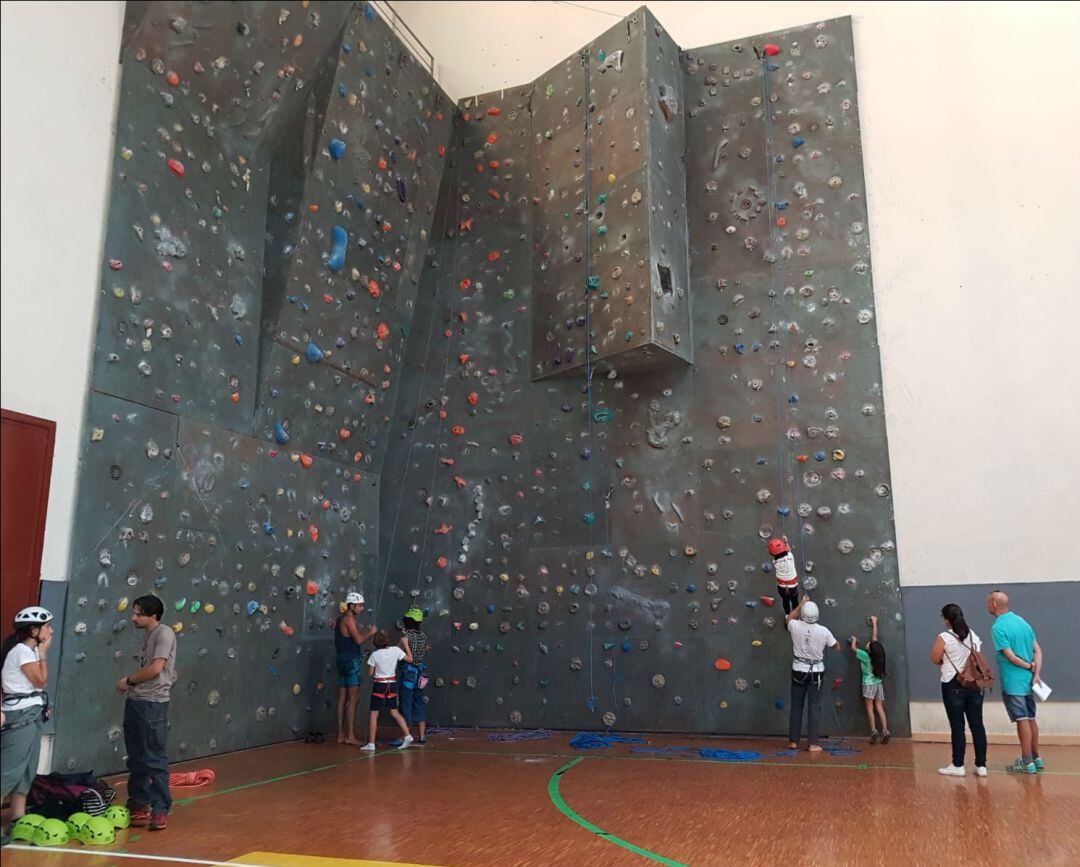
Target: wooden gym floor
{"x": 469, "y": 801}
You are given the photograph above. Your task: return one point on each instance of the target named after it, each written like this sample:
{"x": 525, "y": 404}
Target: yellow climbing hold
{"x": 296, "y": 689}
{"x": 208, "y": 608}
{"x": 611, "y": 179}
{"x": 178, "y": 627}
{"x": 295, "y": 360}
{"x": 122, "y": 604}
{"x": 125, "y": 153}
{"x": 838, "y": 455}
{"x": 723, "y": 705}
{"x": 755, "y": 643}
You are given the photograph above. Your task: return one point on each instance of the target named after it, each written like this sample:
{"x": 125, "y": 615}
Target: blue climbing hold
{"x": 239, "y": 338}
{"x": 625, "y": 647}
{"x": 491, "y": 609}
{"x": 280, "y": 434}
{"x": 337, "y": 148}
{"x": 690, "y": 588}
{"x": 312, "y": 353}
{"x": 793, "y": 398}
{"x": 268, "y": 528}
{"x": 339, "y": 240}
{"x": 341, "y": 88}
{"x": 783, "y": 511}
{"x": 797, "y": 142}
{"x": 740, "y": 348}
{"x": 399, "y": 182}
{"x": 252, "y": 607}
{"x": 819, "y": 456}
{"x": 589, "y": 518}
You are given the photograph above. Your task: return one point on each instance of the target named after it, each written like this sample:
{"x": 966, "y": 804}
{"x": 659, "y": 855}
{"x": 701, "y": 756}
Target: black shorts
{"x": 384, "y": 696}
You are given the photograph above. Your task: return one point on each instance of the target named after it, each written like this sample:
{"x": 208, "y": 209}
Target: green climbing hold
{"x": 601, "y": 55}
{"x": 195, "y": 606}
{"x": 608, "y": 645}
{"x": 586, "y": 486}
{"x": 602, "y": 230}
{"x": 629, "y": 336}
{"x": 603, "y": 414}
{"x": 590, "y": 518}
{"x": 592, "y": 281}
{"x": 509, "y": 294}
{"x": 180, "y": 603}
{"x": 601, "y": 198}
{"x": 550, "y": 90}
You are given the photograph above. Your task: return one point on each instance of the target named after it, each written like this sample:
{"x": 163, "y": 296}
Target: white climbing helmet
{"x": 33, "y": 615}
{"x": 809, "y": 612}
{"x": 354, "y": 598}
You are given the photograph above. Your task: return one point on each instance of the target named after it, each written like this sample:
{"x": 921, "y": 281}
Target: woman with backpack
{"x": 951, "y": 652}
{"x": 24, "y": 673}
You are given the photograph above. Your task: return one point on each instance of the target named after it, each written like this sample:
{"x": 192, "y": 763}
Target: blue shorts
{"x": 1020, "y": 707}
{"x": 348, "y": 672}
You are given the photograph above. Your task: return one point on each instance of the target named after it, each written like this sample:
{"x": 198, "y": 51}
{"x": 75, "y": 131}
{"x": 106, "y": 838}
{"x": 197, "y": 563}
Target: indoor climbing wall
{"x": 590, "y": 546}
{"x": 273, "y": 187}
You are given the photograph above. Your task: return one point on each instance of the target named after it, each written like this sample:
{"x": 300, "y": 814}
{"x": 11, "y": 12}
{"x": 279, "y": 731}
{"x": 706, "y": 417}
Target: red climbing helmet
{"x": 778, "y": 546}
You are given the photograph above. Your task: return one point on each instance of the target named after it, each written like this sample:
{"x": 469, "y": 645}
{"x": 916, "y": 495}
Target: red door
{"x": 26, "y": 455}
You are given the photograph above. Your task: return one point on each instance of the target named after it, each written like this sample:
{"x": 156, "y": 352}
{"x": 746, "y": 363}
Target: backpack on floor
{"x": 57, "y": 796}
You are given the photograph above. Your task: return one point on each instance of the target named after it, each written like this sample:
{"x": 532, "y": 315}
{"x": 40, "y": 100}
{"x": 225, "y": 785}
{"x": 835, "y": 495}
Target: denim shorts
{"x": 348, "y": 672}
{"x": 1020, "y": 707}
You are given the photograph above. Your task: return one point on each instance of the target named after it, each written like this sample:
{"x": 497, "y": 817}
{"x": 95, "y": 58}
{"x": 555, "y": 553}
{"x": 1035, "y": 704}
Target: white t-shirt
{"x": 809, "y": 641}
{"x": 385, "y": 662}
{"x": 956, "y": 653}
{"x": 15, "y": 681}
{"x": 786, "y": 574}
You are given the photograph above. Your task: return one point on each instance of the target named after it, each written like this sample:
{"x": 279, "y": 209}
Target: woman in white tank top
{"x": 950, "y": 653}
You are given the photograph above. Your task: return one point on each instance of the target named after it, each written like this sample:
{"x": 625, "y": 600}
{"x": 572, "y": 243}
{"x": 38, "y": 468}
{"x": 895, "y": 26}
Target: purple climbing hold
{"x": 339, "y": 240}
{"x": 312, "y": 352}
{"x": 337, "y": 148}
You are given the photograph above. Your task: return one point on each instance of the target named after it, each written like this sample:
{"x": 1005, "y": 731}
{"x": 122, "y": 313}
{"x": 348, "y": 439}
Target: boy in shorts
{"x": 382, "y": 665}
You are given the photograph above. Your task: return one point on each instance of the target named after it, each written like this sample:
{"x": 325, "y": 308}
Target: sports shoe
{"x": 396, "y": 742}
{"x": 885, "y": 735}
{"x": 421, "y": 741}
{"x": 952, "y": 771}
{"x": 1039, "y": 766}
{"x": 1018, "y": 767}
{"x": 405, "y": 741}
{"x": 875, "y": 736}
{"x": 158, "y": 821}
{"x": 368, "y": 748}
{"x": 140, "y": 817}
{"x": 980, "y": 770}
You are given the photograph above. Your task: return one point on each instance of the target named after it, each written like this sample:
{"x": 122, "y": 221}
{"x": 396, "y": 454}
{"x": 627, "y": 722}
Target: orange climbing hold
{"x": 802, "y": 459}
{"x": 493, "y": 165}
{"x": 382, "y": 331}
{"x": 492, "y": 138}
{"x": 305, "y": 461}
{"x": 373, "y": 289}
{"x": 312, "y": 588}
{"x": 457, "y": 430}
{"x": 443, "y": 529}
{"x": 722, "y": 664}
{"x": 172, "y": 79}
{"x": 441, "y": 563}
{"x": 344, "y": 433}
{"x": 466, "y": 225}
{"x": 285, "y": 628}
{"x": 313, "y": 533}
{"x": 494, "y": 194}
{"x": 382, "y": 163}
{"x": 235, "y": 397}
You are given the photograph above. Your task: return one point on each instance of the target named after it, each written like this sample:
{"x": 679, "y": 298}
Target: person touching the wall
{"x": 809, "y": 640}
{"x": 787, "y": 576}
{"x": 412, "y": 676}
{"x": 1019, "y": 661}
{"x": 347, "y": 640}
{"x": 146, "y": 717}
{"x": 25, "y": 706}
{"x": 950, "y": 653}
{"x": 872, "y": 660}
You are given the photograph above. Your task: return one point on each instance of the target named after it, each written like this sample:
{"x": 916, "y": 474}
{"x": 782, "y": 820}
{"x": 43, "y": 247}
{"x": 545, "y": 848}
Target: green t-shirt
{"x": 867, "y": 668}
{"x": 1011, "y": 632}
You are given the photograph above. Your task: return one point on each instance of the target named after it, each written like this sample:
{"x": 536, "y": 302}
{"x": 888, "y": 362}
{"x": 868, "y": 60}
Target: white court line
{"x": 44, "y": 850}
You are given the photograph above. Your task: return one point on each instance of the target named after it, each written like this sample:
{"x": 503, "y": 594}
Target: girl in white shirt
{"x": 950, "y": 652}
{"x": 23, "y": 675}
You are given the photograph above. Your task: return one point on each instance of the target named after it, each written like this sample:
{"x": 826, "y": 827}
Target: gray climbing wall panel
{"x": 228, "y": 466}
{"x": 592, "y": 554}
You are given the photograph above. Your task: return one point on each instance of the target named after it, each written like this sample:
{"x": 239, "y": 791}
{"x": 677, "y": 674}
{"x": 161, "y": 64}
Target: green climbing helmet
{"x": 75, "y": 823}
{"x": 119, "y": 816}
{"x": 415, "y": 614}
{"x": 51, "y": 832}
{"x": 26, "y": 826}
{"x": 97, "y": 832}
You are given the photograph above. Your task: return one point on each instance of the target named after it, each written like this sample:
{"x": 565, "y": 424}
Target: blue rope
{"x": 597, "y": 741}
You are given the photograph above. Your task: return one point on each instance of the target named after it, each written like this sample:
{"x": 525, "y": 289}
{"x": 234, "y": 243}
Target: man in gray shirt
{"x": 146, "y": 717}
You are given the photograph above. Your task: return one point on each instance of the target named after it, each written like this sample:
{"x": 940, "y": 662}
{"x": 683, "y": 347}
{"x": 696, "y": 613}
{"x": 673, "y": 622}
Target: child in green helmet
{"x": 412, "y": 676}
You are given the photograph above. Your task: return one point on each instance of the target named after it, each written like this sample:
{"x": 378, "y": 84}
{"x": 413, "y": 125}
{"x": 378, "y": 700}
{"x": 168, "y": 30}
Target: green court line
{"x": 183, "y": 802}
{"x": 568, "y": 811}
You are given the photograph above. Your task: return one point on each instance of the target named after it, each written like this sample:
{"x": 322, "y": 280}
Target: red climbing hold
{"x": 722, "y": 664}
{"x": 382, "y": 163}
{"x": 443, "y": 529}
{"x": 312, "y": 588}
{"x": 176, "y": 167}
{"x": 235, "y": 397}
{"x": 441, "y": 563}
{"x": 115, "y": 264}
{"x": 443, "y": 414}
{"x": 463, "y": 358}
{"x": 836, "y": 682}
{"x": 493, "y": 165}
{"x": 457, "y": 430}
{"x": 373, "y": 289}
{"x": 494, "y": 194}
{"x": 465, "y": 284}
{"x": 516, "y": 439}
{"x": 305, "y": 461}
{"x": 802, "y": 459}
{"x": 473, "y": 398}
{"x": 285, "y": 628}
{"x": 771, "y": 50}
{"x": 344, "y": 433}
{"x": 172, "y": 79}
{"x": 466, "y": 226}
{"x": 492, "y": 138}
{"x": 494, "y": 112}
{"x": 494, "y": 256}
{"x": 382, "y": 331}
{"x": 313, "y": 533}
{"x": 767, "y": 601}
{"x": 460, "y": 482}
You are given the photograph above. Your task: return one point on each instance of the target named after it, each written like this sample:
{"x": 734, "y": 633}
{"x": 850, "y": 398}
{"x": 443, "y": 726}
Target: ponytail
{"x": 955, "y": 616}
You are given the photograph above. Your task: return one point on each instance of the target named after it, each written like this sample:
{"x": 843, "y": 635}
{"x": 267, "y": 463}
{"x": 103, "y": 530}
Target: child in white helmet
{"x": 24, "y": 673}
{"x": 809, "y": 640}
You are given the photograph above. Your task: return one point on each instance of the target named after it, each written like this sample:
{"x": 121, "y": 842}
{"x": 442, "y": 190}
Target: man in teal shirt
{"x": 1019, "y": 660}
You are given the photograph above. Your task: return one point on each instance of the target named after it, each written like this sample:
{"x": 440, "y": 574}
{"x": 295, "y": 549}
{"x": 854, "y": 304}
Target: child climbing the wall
{"x": 872, "y": 661}
{"x": 382, "y": 665}
{"x": 787, "y": 577}
{"x": 412, "y": 676}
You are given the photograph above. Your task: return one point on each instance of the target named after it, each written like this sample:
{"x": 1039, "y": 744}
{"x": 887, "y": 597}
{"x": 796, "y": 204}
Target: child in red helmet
{"x": 787, "y": 578}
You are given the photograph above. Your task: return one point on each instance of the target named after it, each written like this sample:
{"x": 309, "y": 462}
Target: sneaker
{"x": 368, "y": 748}
{"x": 421, "y": 741}
{"x": 952, "y": 771}
{"x": 405, "y": 741}
{"x": 885, "y": 735}
{"x": 140, "y": 817}
{"x": 1018, "y": 767}
{"x": 158, "y": 821}
{"x": 1039, "y": 766}
{"x": 396, "y": 743}
{"x": 980, "y": 771}
{"x": 875, "y": 736}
